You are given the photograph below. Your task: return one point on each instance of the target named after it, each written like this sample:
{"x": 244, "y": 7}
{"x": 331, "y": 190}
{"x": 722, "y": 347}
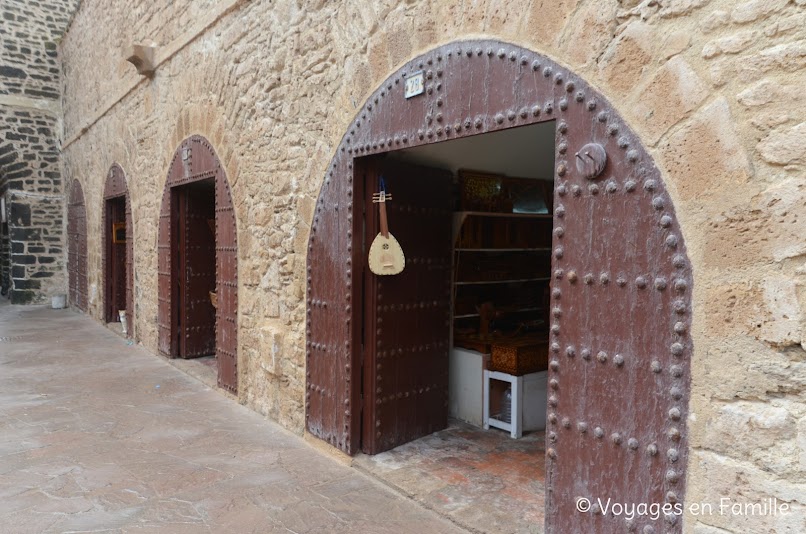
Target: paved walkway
{"x": 100, "y": 436}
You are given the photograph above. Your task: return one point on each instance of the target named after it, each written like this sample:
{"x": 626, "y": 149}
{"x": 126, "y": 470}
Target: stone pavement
{"x": 100, "y": 436}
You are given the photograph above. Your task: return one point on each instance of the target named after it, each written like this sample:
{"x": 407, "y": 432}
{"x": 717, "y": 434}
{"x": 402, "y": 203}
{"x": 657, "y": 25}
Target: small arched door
{"x": 118, "y": 249}
{"x": 198, "y": 261}
{"x": 620, "y": 298}
{"x": 77, "y": 247}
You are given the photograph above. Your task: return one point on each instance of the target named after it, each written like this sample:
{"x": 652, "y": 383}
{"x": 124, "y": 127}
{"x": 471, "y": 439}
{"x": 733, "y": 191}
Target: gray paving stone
{"x": 100, "y": 436}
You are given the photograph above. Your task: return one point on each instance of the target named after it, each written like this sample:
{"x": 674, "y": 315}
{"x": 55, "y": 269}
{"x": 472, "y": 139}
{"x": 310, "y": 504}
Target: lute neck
{"x": 384, "y": 221}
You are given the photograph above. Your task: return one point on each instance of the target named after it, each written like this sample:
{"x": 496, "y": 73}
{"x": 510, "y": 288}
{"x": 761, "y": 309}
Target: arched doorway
{"x": 118, "y": 249}
{"x": 198, "y": 267}
{"x": 77, "y": 247}
{"x": 620, "y": 289}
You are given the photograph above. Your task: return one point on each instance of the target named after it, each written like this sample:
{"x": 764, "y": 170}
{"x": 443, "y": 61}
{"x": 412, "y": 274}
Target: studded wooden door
{"x": 619, "y": 335}
{"x": 196, "y": 269}
{"x": 129, "y": 267}
{"x": 118, "y": 257}
{"x": 407, "y": 316}
{"x": 77, "y": 247}
{"x": 226, "y": 255}
{"x": 165, "y": 323}
{"x": 194, "y": 161}
{"x": 621, "y": 288}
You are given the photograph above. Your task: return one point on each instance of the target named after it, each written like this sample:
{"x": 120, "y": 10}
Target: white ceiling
{"x": 525, "y": 152}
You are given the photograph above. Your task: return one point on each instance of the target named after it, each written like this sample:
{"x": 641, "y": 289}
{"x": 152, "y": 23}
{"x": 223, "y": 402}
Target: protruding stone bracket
{"x": 142, "y": 57}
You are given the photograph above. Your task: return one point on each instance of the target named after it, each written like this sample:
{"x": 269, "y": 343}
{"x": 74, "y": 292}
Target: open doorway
{"x": 194, "y": 271}
{"x": 619, "y": 324}
{"x": 118, "y": 252}
{"x": 115, "y": 239}
{"x": 198, "y": 267}
{"x": 456, "y": 345}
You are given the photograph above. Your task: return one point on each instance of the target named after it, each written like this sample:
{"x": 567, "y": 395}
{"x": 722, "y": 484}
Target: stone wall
{"x": 31, "y": 29}
{"x": 32, "y": 252}
{"x": 712, "y": 87}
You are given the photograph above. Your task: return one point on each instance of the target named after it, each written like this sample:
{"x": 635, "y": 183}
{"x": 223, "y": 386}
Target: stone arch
{"x": 621, "y": 285}
{"x": 77, "y": 247}
{"x": 116, "y": 187}
{"x": 195, "y": 160}
{"x": 208, "y": 122}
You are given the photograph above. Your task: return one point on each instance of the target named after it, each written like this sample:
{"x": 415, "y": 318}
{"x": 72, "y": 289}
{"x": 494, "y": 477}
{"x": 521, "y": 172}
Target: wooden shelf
{"x": 538, "y": 249}
{"x": 504, "y": 214}
{"x": 516, "y": 281}
{"x": 459, "y": 217}
{"x": 513, "y": 247}
{"x": 519, "y": 310}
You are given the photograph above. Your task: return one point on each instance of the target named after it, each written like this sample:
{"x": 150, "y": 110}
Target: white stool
{"x": 515, "y": 428}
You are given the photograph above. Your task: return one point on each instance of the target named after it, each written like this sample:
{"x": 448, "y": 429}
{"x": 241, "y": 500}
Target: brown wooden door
{"x": 226, "y": 255}
{"x": 618, "y": 379}
{"x": 166, "y": 290}
{"x": 77, "y": 247}
{"x": 407, "y": 316}
{"x": 196, "y": 272}
{"x": 129, "y": 251}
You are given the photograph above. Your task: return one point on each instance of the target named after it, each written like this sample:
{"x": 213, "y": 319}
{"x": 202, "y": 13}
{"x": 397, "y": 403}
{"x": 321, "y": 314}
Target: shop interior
{"x": 486, "y": 470}
{"x": 115, "y": 304}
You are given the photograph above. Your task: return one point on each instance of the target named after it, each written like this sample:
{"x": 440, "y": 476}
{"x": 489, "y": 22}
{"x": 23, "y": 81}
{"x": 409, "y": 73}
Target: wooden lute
{"x": 385, "y": 255}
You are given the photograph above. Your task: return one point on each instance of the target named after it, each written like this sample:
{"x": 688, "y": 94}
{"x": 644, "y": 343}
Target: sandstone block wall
{"x": 714, "y": 87}
{"x": 32, "y": 260}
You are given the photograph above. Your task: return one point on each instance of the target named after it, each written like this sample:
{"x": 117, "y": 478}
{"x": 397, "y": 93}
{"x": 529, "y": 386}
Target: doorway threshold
{"x": 482, "y": 480}
{"x": 204, "y": 369}
{"x": 117, "y": 327}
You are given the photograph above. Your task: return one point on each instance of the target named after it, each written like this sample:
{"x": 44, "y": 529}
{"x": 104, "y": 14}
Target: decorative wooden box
{"x": 518, "y": 357}
{"x": 481, "y": 191}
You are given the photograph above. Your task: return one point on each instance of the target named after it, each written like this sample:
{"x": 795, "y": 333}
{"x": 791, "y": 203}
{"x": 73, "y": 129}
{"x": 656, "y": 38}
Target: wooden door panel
{"x": 129, "y": 268}
{"x": 165, "y": 321}
{"x": 77, "y": 247}
{"x": 198, "y": 314}
{"x": 407, "y": 316}
{"x": 620, "y": 296}
{"x": 226, "y": 287}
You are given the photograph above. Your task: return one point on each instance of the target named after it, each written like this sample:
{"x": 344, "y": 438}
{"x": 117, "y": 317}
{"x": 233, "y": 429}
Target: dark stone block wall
{"x": 32, "y": 247}
{"x": 29, "y": 64}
